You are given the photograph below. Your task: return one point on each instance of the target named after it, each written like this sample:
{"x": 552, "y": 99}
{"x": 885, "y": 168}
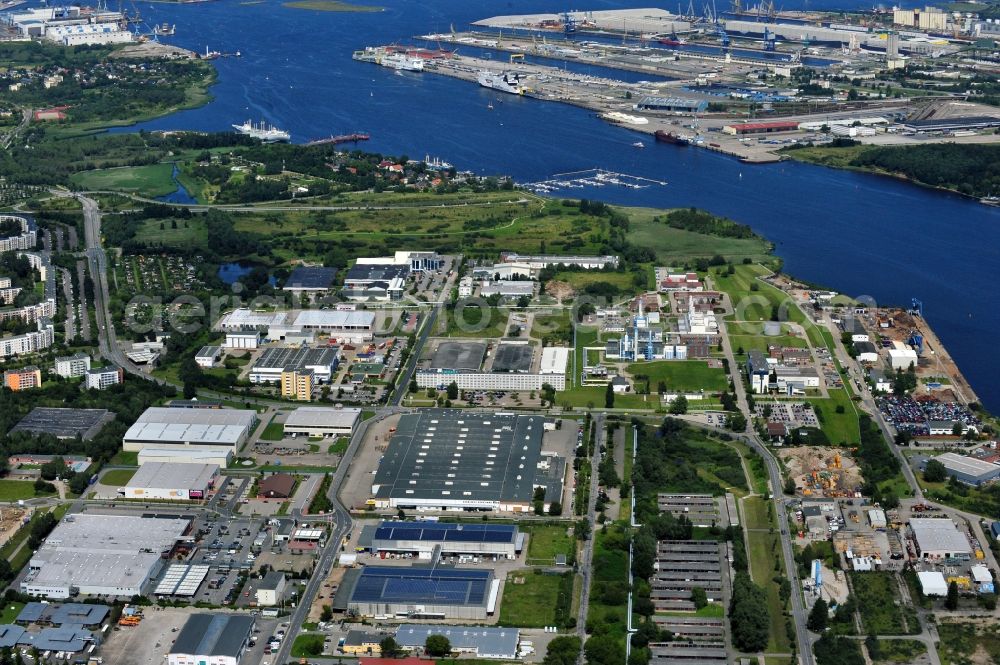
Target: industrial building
{"x": 322, "y": 421}
{"x": 221, "y": 431}
{"x": 66, "y": 640}
{"x": 185, "y": 455}
{"x": 939, "y": 538}
{"x": 671, "y": 105}
{"x": 478, "y": 641}
{"x": 69, "y": 367}
{"x": 742, "y": 129}
{"x": 207, "y": 356}
{"x": 106, "y": 555}
{"x": 507, "y": 289}
{"x": 439, "y": 592}
{"x": 932, "y": 583}
{"x": 537, "y": 262}
{"x": 966, "y": 123}
{"x": 310, "y": 279}
{"x": 219, "y": 639}
{"x": 866, "y": 352}
{"x": 968, "y": 470}
{"x": 171, "y": 480}
{"x": 87, "y": 615}
{"x": 271, "y": 591}
{"x": 363, "y": 643}
{"x": 442, "y": 459}
{"x": 510, "y": 369}
{"x": 244, "y": 327}
{"x": 481, "y": 539}
{"x": 375, "y": 281}
{"x": 272, "y": 362}
{"x": 181, "y": 579}
{"x": 64, "y": 423}
{"x": 758, "y": 371}
{"x": 903, "y": 359}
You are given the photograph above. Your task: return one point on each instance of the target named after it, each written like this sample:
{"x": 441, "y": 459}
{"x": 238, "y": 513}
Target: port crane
{"x": 569, "y": 23}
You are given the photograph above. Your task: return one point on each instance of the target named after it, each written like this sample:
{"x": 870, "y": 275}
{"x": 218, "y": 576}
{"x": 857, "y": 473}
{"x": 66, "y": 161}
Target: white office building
{"x": 103, "y": 377}
{"x": 70, "y": 367}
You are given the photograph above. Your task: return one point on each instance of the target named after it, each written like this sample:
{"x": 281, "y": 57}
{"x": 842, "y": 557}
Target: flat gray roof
{"x": 939, "y": 535}
{"x": 459, "y": 355}
{"x": 487, "y": 640}
{"x": 512, "y": 358}
{"x": 61, "y": 422}
{"x": 173, "y": 475}
{"x": 213, "y": 635}
{"x": 460, "y": 455}
{"x": 970, "y": 466}
{"x": 198, "y": 426}
{"x": 319, "y": 416}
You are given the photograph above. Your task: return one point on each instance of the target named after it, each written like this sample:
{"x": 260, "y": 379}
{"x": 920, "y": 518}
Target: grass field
{"x": 587, "y": 396}
{"x": 878, "y": 595}
{"x": 547, "y": 540}
{"x": 10, "y": 612}
{"x": 899, "y": 651}
{"x": 152, "y": 180}
{"x": 579, "y": 280}
{"x": 474, "y": 322}
{"x": 125, "y": 458}
{"x": 839, "y": 428}
{"x": 308, "y": 644}
{"x": 959, "y": 641}
{"x": 686, "y": 375}
{"x": 189, "y": 233}
{"x": 676, "y": 246}
{"x": 15, "y": 490}
{"x": 339, "y": 446}
{"x": 531, "y": 604}
{"x": 756, "y": 513}
{"x": 274, "y": 431}
{"x": 761, "y": 342}
{"x": 117, "y": 477}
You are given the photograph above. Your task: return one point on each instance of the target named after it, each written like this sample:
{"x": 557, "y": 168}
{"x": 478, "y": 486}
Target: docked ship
{"x": 504, "y": 82}
{"x": 264, "y": 132}
{"x": 402, "y": 62}
{"x": 166, "y": 30}
{"x": 620, "y": 118}
{"x": 670, "y": 137}
{"x": 672, "y": 40}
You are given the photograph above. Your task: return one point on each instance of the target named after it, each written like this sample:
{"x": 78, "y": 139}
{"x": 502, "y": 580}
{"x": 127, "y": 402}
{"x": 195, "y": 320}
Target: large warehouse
{"x": 514, "y": 366}
{"x": 171, "y": 480}
{"x": 444, "y": 459}
{"x": 217, "y": 430}
{"x": 64, "y": 423}
{"x": 218, "y": 639}
{"x": 322, "y": 421}
{"x": 480, "y": 641}
{"x": 429, "y": 593}
{"x": 272, "y": 362}
{"x": 969, "y": 470}
{"x": 422, "y": 537}
{"x": 185, "y": 455}
{"x": 108, "y": 555}
{"x": 938, "y": 538}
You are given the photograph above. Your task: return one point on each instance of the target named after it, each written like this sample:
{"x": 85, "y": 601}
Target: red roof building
{"x": 761, "y": 127}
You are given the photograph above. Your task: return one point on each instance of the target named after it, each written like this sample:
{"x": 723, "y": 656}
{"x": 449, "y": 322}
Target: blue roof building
{"x": 502, "y": 540}
{"x": 439, "y": 592}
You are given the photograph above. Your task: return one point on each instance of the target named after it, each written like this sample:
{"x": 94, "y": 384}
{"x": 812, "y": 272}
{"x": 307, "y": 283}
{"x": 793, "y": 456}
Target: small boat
{"x": 164, "y": 30}
{"x": 638, "y": 144}
{"x": 490, "y": 106}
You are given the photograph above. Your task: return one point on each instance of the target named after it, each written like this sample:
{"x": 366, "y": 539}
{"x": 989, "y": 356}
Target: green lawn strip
{"x": 840, "y": 428}
{"x": 15, "y": 490}
{"x": 594, "y": 396}
{"x": 756, "y": 513}
{"x": 117, "y": 477}
{"x": 475, "y": 321}
{"x": 274, "y": 431}
{"x": 10, "y": 612}
{"x": 307, "y": 644}
{"x": 678, "y": 246}
{"x": 684, "y": 375}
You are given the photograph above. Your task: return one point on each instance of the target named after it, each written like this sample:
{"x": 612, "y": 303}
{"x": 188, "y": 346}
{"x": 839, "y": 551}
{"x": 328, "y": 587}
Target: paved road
{"x": 586, "y": 557}
{"x": 67, "y": 283}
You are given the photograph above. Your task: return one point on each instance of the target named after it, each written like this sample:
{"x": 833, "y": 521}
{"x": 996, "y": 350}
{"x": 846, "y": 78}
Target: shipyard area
{"x": 748, "y": 83}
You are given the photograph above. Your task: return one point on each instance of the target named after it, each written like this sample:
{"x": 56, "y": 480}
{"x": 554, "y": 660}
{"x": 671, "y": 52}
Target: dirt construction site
{"x": 822, "y": 472}
{"x": 11, "y": 520}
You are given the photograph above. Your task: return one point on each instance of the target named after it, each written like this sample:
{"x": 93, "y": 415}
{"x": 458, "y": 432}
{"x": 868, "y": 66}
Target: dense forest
{"x": 966, "y": 168}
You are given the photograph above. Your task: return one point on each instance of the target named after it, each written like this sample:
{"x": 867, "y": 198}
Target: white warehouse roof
{"x": 318, "y": 416}
{"x": 173, "y": 475}
{"x": 938, "y": 535}
{"x": 932, "y": 583}
{"x": 331, "y": 318}
{"x": 223, "y": 427}
{"x": 554, "y": 360}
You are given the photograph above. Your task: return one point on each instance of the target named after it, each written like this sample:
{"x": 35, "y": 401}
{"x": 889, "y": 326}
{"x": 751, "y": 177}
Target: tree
{"x": 748, "y": 614}
{"x": 555, "y": 509}
{"x": 956, "y": 429}
{"x": 389, "y": 647}
{"x": 818, "y": 616}
{"x": 789, "y": 486}
{"x": 699, "y": 597}
{"x": 951, "y": 602}
{"x": 679, "y": 406}
{"x": 326, "y": 614}
{"x": 935, "y": 472}
{"x": 737, "y": 422}
{"x": 437, "y": 645}
{"x": 452, "y": 390}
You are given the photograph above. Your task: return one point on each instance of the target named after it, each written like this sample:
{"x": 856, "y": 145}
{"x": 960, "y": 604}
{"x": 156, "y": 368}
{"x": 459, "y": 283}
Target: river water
{"x": 860, "y": 234}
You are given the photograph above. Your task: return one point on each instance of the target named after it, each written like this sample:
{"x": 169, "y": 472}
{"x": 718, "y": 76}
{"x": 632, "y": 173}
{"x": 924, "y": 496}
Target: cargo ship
{"x": 504, "y": 82}
{"x": 670, "y": 137}
{"x": 264, "y": 132}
